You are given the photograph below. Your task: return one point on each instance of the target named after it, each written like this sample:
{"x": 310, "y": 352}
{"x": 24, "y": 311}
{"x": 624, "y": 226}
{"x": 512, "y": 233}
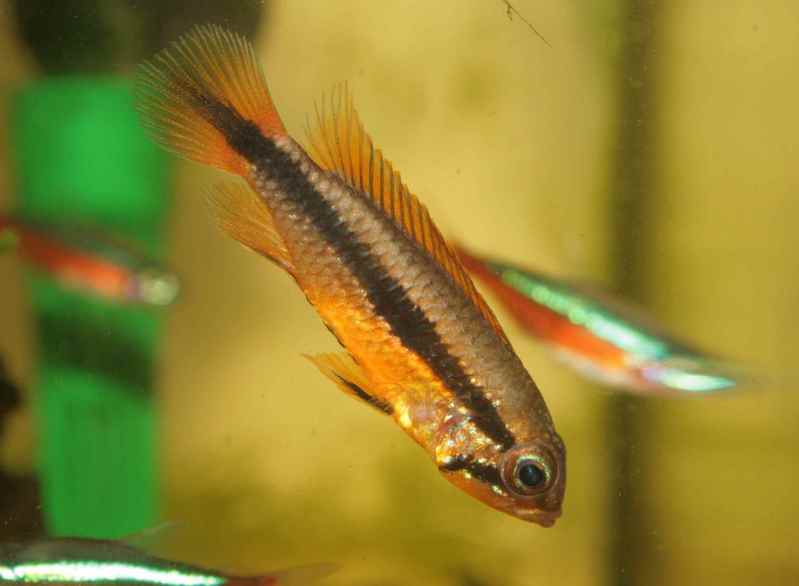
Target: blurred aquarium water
{"x": 645, "y": 146}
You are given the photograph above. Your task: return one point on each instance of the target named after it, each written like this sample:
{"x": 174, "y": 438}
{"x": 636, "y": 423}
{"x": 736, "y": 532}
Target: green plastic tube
{"x": 81, "y": 156}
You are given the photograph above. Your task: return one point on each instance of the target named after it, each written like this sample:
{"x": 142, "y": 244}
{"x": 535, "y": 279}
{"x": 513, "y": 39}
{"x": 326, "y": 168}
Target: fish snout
{"x": 541, "y": 517}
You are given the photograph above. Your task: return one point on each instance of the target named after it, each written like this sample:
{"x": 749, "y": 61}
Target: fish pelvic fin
{"x": 298, "y": 576}
{"x": 350, "y": 378}
{"x": 206, "y": 99}
{"x": 246, "y": 218}
{"x": 338, "y": 142}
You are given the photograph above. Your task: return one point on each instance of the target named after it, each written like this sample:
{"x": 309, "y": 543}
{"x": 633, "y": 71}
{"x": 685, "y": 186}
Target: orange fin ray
{"x": 350, "y": 378}
{"x": 338, "y": 142}
{"x": 245, "y": 217}
{"x": 183, "y": 92}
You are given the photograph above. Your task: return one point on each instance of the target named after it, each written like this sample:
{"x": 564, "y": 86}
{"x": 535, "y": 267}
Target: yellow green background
{"x": 512, "y": 145}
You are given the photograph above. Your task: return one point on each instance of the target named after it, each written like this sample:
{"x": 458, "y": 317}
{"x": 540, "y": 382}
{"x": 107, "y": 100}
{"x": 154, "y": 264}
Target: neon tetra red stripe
{"x": 422, "y": 344}
{"x": 87, "y": 260}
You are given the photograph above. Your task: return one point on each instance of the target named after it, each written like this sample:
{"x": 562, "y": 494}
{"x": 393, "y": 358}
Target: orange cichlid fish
{"x": 422, "y": 345}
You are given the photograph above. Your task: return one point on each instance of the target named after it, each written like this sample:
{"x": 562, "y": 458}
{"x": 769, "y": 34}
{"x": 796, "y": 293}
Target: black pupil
{"x": 531, "y": 475}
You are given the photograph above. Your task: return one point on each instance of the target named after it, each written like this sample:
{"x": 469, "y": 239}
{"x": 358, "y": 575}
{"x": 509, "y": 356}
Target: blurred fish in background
{"x": 80, "y": 165}
{"x": 91, "y": 561}
{"x": 87, "y": 259}
{"x": 602, "y": 337}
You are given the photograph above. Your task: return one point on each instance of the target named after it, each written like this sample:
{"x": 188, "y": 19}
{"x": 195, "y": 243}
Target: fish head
{"x": 527, "y": 481}
{"x": 155, "y": 286}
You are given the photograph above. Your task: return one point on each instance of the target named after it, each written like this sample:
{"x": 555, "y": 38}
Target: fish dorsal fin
{"x": 338, "y": 142}
{"x": 246, "y": 218}
{"x": 350, "y": 378}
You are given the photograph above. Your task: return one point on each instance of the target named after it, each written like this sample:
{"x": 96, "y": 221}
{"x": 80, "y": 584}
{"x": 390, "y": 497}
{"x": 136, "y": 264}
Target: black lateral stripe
{"x": 243, "y": 135}
{"x": 371, "y": 399}
{"x": 485, "y": 473}
{"x": 389, "y": 298}
{"x": 459, "y": 462}
{"x": 406, "y": 320}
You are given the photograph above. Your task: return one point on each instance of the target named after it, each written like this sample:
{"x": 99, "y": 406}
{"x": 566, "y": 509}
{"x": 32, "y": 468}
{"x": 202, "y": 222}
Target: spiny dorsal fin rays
{"x": 338, "y": 142}
{"x": 245, "y": 217}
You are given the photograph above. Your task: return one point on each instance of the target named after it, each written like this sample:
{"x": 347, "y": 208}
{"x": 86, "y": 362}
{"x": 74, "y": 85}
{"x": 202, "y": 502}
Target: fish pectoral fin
{"x": 245, "y": 217}
{"x": 350, "y": 378}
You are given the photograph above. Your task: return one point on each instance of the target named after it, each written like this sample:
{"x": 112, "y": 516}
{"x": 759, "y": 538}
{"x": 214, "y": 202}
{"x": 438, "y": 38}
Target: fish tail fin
{"x": 206, "y": 99}
{"x": 699, "y": 374}
{"x": 298, "y": 576}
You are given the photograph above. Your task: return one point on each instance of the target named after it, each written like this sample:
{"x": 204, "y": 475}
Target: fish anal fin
{"x": 350, "y": 378}
{"x": 339, "y": 143}
{"x": 246, "y": 218}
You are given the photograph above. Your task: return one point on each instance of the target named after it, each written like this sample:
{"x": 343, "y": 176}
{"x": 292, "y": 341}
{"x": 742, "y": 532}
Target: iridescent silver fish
{"x": 89, "y": 561}
{"x": 599, "y": 335}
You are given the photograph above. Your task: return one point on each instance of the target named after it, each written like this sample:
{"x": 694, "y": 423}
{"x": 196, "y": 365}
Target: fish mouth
{"x": 543, "y": 518}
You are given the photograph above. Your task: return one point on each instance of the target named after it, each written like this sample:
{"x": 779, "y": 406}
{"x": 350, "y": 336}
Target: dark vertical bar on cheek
{"x": 485, "y": 473}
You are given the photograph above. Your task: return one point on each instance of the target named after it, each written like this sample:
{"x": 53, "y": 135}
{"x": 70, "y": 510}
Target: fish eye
{"x": 530, "y": 475}
{"x": 527, "y": 472}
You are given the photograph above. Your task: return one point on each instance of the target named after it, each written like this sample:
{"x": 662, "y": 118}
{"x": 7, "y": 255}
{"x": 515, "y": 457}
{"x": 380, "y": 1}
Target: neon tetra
{"x": 602, "y": 336}
{"x": 84, "y": 259}
{"x": 84, "y": 562}
{"x": 422, "y": 345}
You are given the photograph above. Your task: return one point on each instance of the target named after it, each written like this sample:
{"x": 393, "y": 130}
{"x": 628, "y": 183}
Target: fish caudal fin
{"x": 206, "y": 99}
{"x": 246, "y": 218}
